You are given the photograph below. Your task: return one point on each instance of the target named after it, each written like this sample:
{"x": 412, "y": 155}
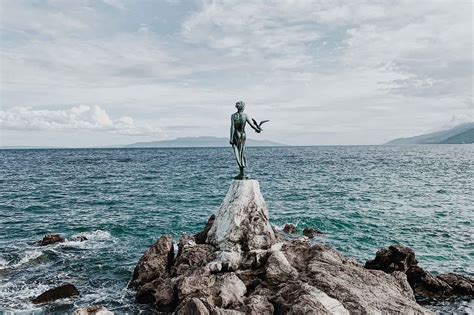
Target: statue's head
{"x": 240, "y": 105}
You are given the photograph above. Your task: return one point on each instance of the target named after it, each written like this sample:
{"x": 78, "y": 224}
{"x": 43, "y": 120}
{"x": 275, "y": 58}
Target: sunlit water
{"x": 362, "y": 198}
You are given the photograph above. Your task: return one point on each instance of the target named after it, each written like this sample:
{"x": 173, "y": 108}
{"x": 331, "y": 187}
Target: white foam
{"x": 3, "y": 262}
{"x": 19, "y": 296}
{"x": 98, "y": 235}
{"x": 26, "y": 257}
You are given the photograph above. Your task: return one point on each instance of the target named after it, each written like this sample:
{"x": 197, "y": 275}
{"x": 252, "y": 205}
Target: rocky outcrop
{"x": 51, "y": 239}
{"x": 394, "y": 258}
{"x": 242, "y": 268}
{"x": 155, "y": 263}
{"x": 241, "y": 222}
{"x": 310, "y": 232}
{"x": 397, "y": 258}
{"x": 289, "y": 228}
{"x": 65, "y": 291}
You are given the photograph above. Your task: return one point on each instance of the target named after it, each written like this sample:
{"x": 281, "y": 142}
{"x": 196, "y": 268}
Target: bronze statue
{"x": 238, "y": 121}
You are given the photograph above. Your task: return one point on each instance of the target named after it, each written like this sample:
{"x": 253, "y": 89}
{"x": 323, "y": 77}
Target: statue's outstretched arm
{"x": 253, "y": 125}
{"x": 231, "y": 141}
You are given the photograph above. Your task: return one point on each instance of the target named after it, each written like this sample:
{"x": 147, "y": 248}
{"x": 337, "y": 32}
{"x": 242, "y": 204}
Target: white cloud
{"x": 315, "y": 68}
{"x": 78, "y": 118}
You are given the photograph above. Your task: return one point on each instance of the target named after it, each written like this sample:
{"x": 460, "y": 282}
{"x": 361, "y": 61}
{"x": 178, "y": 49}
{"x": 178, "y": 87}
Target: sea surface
{"x": 362, "y": 197}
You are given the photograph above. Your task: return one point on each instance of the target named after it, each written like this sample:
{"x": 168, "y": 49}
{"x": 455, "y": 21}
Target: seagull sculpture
{"x": 259, "y": 125}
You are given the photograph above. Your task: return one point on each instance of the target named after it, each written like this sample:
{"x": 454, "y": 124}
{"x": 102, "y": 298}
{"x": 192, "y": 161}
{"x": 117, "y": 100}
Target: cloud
{"x": 314, "y": 68}
{"x": 78, "y": 118}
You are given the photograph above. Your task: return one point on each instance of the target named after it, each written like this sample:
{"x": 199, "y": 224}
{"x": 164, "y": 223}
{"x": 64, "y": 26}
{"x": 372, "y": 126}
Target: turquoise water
{"x": 362, "y": 198}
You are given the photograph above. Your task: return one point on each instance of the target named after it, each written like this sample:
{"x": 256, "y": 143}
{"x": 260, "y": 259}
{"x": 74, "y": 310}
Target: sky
{"x": 107, "y": 72}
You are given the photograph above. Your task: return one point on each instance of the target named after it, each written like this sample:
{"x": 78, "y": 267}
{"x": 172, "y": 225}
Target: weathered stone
{"x": 289, "y": 228}
{"x": 278, "y": 269}
{"x": 223, "y": 311}
{"x": 192, "y": 306}
{"x": 51, "y": 239}
{"x": 229, "y": 260}
{"x": 199, "y": 283}
{"x": 394, "y": 258}
{"x": 161, "y": 292}
{"x": 258, "y": 305}
{"x": 192, "y": 255}
{"x": 65, "y": 291}
{"x": 461, "y": 285}
{"x": 358, "y": 289}
{"x": 302, "y": 298}
{"x": 242, "y": 220}
{"x": 93, "y": 310}
{"x": 231, "y": 290}
{"x": 251, "y": 277}
{"x": 241, "y": 268}
{"x": 423, "y": 283}
{"x": 310, "y": 232}
{"x": 202, "y": 236}
{"x": 155, "y": 263}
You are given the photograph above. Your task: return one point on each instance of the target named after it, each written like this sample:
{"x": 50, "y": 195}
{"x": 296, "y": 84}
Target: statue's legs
{"x": 239, "y": 153}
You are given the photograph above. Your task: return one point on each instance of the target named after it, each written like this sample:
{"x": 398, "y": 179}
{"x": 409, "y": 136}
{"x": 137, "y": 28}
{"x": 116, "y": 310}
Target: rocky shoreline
{"x": 239, "y": 264}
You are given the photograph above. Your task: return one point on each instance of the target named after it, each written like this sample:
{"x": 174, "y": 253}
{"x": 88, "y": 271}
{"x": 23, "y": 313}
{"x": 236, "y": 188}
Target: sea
{"x": 362, "y": 198}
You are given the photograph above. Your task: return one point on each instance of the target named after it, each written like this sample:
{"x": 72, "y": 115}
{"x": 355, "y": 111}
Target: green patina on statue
{"x": 238, "y": 121}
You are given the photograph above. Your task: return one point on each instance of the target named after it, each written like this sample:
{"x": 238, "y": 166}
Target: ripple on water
{"x": 122, "y": 200}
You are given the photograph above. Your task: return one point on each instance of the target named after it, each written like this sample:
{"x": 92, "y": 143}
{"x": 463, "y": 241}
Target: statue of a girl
{"x": 237, "y": 136}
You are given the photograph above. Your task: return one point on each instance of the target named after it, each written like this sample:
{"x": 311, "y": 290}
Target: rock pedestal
{"x": 241, "y": 223}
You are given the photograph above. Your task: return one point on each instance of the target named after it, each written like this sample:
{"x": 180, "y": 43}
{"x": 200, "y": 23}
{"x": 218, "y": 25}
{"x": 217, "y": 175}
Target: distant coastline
{"x": 198, "y": 142}
{"x": 184, "y": 142}
{"x": 461, "y": 134}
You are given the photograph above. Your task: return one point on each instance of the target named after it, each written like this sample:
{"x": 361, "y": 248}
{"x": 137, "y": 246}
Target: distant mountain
{"x": 463, "y": 133}
{"x": 192, "y": 142}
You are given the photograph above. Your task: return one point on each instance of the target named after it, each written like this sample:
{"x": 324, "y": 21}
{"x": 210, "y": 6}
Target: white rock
{"x": 242, "y": 220}
{"x": 232, "y": 289}
{"x": 331, "y": 305}
{"x": 278, "y": 269}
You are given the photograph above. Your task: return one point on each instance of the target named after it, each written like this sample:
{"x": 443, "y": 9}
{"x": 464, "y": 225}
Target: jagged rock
{"x": 254, "y": 259}
{"x": 423, "y": 283}
{"x": 190, "y": 255}
{"x": 202, "y": 236}
{"x": 65, "y": 291}
{"x": 302, "y": 298}
{"x": 241, "y": 222}
{"x": 231, "y": 290}
{"x": 192, "y": 306}
{"x": 198, "y": 283}
{"x": 258, "y": 305}
{"x": 461, "y": 285}
{"x": 51, "y": 239}
{"x": 240, "y": 268}
{"x": 359, "y": 290}
{"x": 162, "y": 292}
{"x": 310, "y": 232}
{"x": 278, "y": 269}
{"x": 440, "y": 287}
{"x": 289, "y": 228}
{"x": 223, "y": 311}
{"x": 93, "y": 310}
{"x": 155, "y": 263}
{"x": 394, "y": 258}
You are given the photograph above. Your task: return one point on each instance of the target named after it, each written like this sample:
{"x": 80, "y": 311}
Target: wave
{"x": 97, "y": 235}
